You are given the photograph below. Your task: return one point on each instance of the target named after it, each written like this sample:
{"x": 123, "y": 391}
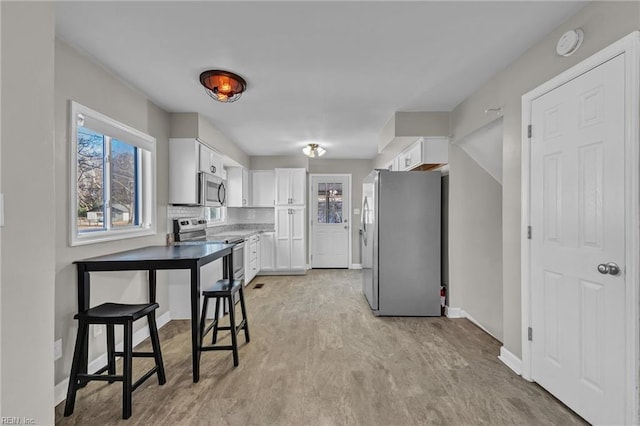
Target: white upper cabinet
{"x": 290, "y": 186}
{"x": 237, "y": 187}
{"x": 425, "y": 151}
{"x": 263, "y": 188}
{"x": 210, "y": 162}
{"x": 392, "y": 165}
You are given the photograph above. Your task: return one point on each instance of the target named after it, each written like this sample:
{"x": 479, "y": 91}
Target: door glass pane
{"x": 334, "y": 203}
{"x": 90, "y": 182}
{"x": 124, "y": 186}
{"x": 322, "y": 203}
{"x": 329, "y": 203}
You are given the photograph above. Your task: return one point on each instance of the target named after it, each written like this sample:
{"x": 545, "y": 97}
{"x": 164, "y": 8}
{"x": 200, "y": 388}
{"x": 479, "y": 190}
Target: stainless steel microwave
{"x": 212, "y": 192}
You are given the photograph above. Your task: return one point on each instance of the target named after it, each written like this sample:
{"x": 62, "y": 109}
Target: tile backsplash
{"x": 257, "y": 215}
{"x": 250, "y": 215}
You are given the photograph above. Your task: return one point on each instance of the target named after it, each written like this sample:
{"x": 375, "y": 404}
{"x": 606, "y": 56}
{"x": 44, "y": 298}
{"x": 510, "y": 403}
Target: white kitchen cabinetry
{"x": 210, "y": 162}
{"x": 290, "y": 186}
{"x": 267, "y": 252}
{"x": 392, "y": 165}
{"x": 290, "y": 238}
{"x": 263, "y": 188}
{"x": 187, "y": 157}
{"x": 424, "y": 151}
{"x": 237, "y": 187}
{"x": 252, "y": 258}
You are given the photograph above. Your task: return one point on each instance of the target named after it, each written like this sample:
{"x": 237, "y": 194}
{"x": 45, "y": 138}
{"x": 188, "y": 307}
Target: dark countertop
{"x": 162, "y": 253}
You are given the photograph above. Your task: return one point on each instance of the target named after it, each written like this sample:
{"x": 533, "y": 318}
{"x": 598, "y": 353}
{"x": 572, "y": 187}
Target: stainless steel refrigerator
{"x": 400, "y": 242}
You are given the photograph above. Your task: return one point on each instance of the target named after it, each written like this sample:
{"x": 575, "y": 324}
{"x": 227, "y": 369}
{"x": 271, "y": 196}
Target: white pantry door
{"x": 578, "y": 223}
{"x": 329, "y": 221}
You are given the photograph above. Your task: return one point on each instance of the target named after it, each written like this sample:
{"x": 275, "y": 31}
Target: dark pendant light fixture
{"x": 223, "y": 86}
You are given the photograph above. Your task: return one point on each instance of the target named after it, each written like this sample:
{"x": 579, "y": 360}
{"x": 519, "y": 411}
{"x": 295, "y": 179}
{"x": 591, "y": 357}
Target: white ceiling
{"x": 329, "y": 72}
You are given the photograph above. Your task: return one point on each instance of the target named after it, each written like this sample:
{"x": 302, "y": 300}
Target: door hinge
{"x": 530, "y": 334}
{"x": 528, "y": 232}
{"x": 529, "y": 132}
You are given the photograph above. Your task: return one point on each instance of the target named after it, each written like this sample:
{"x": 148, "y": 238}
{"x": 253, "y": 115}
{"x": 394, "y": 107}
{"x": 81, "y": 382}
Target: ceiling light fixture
{"x": 313, "y": 150}
{"x": 223, "y": 86}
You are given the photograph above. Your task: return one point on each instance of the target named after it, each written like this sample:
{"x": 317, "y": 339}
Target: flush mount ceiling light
{"x": 313, "y": 150}
{"x": 223, "y": 86}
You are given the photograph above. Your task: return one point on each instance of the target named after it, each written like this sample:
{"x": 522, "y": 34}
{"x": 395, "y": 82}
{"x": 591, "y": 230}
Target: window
{"x": 112, "y": 179}
{"x": 215, "y": 215}
{"x": 330, "y": 203}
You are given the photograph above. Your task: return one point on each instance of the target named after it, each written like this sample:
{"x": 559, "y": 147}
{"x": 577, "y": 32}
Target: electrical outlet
{"x": 97, "y": 330}
{"x": 57, "y": 349}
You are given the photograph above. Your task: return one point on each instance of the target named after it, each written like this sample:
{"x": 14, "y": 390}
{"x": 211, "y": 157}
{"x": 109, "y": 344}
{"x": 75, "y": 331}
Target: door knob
{"x": 346, "y": 227}
{"x": 610, "y": 268}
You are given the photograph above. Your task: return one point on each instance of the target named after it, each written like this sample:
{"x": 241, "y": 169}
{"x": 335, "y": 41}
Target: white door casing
{"x": 330, "y": 220}
{"x": 580, "y": 184}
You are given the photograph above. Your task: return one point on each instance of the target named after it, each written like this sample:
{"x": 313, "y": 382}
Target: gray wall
{"x": 79, "y": 79}
{"x": 279, "y": 161}
{"x": 27, "y": 176}
{"x": 194, "y": 125}
{"x": 603, "y": 23}
{"x": 358, "y": 169}
{"x": 475, "y": 241}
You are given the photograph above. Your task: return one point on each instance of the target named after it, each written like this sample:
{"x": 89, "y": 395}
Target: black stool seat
{"x": 111, "y": 314}
{"x": 224, "y": 290}
{"x": 116, "y": 312}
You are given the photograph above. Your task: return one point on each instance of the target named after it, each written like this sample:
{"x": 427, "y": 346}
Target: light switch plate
{"x": 356, "y": 211}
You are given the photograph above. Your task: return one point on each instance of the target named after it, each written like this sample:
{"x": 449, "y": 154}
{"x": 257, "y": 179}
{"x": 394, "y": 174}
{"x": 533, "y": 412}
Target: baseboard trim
{"x": 356, "y": 266}
{"x": 451, "y": 312}
{"x": 510, "y": 360}
{"x": 60, "y": 390}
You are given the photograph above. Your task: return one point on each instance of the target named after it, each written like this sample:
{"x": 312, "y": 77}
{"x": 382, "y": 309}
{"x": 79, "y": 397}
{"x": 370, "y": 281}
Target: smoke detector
{"x": 569, "y": 42}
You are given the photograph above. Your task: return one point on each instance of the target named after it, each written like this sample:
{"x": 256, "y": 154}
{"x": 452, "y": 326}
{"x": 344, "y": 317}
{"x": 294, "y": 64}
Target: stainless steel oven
{"x": 238, "y": 261}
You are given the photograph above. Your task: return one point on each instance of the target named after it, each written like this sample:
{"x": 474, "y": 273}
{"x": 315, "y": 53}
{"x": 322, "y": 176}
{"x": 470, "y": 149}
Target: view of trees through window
{"x": 329, "y": 203}
{"x": 98, "y": 183}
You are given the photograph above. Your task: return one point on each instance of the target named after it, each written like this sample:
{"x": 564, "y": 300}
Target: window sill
{"x": 102, "y": 237}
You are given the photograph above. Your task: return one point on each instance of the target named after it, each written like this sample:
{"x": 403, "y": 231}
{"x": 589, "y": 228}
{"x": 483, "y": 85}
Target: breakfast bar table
{"x": 153, "y": 258}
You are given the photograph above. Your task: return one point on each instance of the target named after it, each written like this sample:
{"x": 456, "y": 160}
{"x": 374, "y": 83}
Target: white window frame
{"x": 218, "y": 222}
{"x": 147, "y": 178}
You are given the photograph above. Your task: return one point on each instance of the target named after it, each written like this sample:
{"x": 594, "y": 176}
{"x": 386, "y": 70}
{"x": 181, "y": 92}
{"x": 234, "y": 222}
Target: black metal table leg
{"x": 83, "y": 305}
{"x": 195, "y": 322}
{"x": 152, "y": 286}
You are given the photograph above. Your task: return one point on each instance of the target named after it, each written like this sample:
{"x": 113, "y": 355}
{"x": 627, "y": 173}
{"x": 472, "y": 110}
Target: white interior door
{"x": 578, "y": 223}
{"x": 330, "y": 228}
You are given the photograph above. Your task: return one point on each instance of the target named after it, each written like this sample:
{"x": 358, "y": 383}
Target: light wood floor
{"x": 318, "y": 356}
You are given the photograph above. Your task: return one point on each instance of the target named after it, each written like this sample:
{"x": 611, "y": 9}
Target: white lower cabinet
{"x": 290, "y": 239}
{"x": 180, "y": 288}
{"x": 252, "y": 258}
{"x": 267, "y": 252}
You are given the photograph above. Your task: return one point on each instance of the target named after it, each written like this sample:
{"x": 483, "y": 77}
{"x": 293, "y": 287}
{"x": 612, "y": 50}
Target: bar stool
{"x": 224, "y": 290}
{"x": 111, "y": 314}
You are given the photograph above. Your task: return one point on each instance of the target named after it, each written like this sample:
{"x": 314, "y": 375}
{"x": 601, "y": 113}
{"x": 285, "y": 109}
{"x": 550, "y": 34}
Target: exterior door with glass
{"x": 330, "y": 227}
